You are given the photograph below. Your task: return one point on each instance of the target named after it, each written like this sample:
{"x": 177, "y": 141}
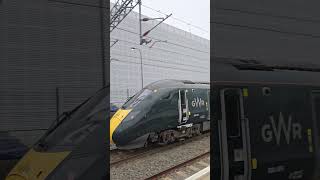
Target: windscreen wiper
{"x": 65, "y": 115}
{"x": 62, "y": 118}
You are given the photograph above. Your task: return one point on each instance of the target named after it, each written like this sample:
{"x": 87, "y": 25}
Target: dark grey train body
{"x": 265, "y": 121}
{"x": 162, "y": 112}
{"x": 73, "y": 147}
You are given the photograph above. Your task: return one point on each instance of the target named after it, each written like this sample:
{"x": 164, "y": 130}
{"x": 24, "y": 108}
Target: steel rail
{"x": 167, "y": 171}
{"x": 151, "y": 150}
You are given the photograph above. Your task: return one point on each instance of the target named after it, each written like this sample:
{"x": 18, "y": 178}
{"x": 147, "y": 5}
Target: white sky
{"x": 194, "y": 12}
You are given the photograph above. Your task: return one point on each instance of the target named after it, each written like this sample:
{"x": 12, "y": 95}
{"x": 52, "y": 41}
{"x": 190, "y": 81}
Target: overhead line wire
{"x": 115, "y": 59}
{"x": 160, "y": 49}
{"x": 156, "y": 60}
{"x": 166, "y": 42}
{"x": 178, "y": 19}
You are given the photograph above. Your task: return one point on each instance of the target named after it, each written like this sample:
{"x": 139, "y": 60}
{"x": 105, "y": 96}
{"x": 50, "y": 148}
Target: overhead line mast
{"x": 120, "y": 10}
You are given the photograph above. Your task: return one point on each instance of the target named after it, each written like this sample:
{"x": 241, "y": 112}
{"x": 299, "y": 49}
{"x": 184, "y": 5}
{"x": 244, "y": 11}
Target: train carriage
{"x": 72, "y": 148}
{"x": 163, "y": 112}
{"x": 266, "y": 121}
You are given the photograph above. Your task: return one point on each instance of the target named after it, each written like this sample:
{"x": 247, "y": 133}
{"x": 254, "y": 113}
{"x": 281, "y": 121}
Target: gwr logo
{"x": 269, "y": 131}
{"x": 197, "y": 102}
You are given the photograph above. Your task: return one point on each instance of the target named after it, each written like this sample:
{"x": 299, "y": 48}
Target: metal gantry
{"x": 120, "y": 10}
{"x": 143, "y": 40}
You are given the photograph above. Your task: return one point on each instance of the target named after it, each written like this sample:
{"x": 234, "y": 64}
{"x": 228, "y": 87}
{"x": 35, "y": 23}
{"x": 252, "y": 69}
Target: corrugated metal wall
{"x": 45, "y": 45}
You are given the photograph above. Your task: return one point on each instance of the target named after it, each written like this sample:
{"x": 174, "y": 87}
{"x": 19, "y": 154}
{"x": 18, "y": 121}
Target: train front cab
{"x": 192, "y": 105}
{"x": 265, "y": 133}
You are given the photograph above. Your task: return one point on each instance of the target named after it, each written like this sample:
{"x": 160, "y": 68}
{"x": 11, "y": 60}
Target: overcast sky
{"x": 194, "y": 12}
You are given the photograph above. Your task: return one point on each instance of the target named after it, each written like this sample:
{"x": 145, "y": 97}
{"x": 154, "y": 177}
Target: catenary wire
{"x": 115, "y": 59}
{"x": 168, "y": 42}
{"x": 157, "y": 60}
{"x": 131, "y": 42}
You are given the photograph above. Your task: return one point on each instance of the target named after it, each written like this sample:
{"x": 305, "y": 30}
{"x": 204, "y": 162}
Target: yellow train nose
{"x": 116, "y": 119}
{"x": 36, "y": 165}
{"x": 15, "y": 177}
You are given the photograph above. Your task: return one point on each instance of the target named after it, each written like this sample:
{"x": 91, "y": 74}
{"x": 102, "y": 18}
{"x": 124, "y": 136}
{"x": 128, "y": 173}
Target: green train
{"x": 162, "y": 112}
{"x": 73, "y": 146}
{"x": 265, "y": 120}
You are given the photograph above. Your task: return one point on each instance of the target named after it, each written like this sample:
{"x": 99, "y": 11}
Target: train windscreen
{"x": 72, "y": 126}
{"x": 136, "y": 99}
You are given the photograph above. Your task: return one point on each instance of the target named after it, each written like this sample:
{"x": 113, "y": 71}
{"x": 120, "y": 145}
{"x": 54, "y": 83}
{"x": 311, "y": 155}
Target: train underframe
{"x": 169, "y": 136}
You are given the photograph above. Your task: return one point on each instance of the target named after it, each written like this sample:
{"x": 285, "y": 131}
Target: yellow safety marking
{"x": 245, "y": 92}
{"x": 36, "y": 165}
{"x": 310, "y": 149}
{"x": 254, "y": 163}
{"x": 189, "y": 113}
{"x": 309, "y": 132}
{"x": 116, "y": 119}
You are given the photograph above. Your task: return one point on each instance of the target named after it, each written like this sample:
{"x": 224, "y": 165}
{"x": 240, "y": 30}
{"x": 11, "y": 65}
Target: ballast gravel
{"x": 149, "y": 165}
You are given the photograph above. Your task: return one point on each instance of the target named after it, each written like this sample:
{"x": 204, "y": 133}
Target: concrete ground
{"x": 204, "y": 174}
{"x": 205, "y": 178}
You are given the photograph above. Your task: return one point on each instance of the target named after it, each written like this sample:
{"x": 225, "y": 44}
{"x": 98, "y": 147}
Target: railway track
{"x": 171, "y": 169}
{"x": 118, "y": 157}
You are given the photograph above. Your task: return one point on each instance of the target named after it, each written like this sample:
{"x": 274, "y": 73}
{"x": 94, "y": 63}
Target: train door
{"x": 316, "y": 120}
{"x": 183, "y": 107}
{"x": 208, "y": 104}
{"x": 234, "y": 137}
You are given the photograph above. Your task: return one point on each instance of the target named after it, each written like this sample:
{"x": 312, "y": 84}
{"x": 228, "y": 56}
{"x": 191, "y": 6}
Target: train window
{"x": 232, "y": 104}
{"x": 81, "y": 118}
{"x": 166, "y": 96}
{"x": 101, "y": 107}
{"x": 143, "y": 94}
{"x": 183, "y": 102}
{"x": 174, "y": 98}
{"x": 316, "y": 101}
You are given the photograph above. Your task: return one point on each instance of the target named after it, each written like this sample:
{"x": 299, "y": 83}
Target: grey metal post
{"x": 141, "y": 68}
{"x": 133, "y": 48}
{"x": 140, "y": 26}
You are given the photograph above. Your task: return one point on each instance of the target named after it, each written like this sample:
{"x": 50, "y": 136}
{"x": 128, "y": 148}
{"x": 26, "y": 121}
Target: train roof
{"x": 171, "y": 83}
{"x": 230, "y": 70}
